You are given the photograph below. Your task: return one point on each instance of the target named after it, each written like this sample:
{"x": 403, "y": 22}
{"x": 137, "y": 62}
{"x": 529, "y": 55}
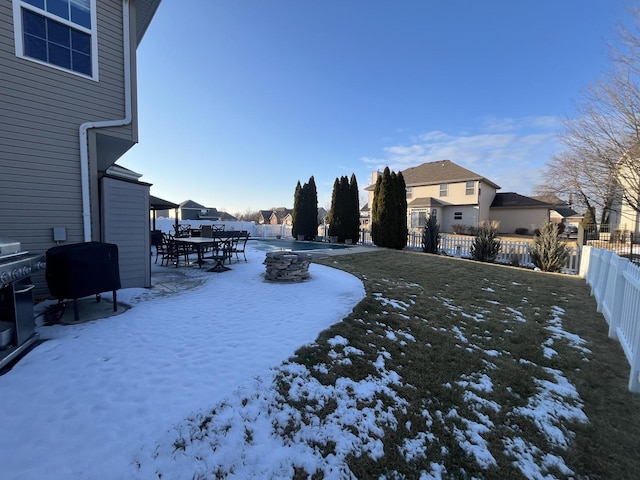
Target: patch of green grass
{"x": 446, "y": 326}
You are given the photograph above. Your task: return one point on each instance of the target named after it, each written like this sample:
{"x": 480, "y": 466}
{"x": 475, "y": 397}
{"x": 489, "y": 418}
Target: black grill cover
{"x": 82, "y": 269}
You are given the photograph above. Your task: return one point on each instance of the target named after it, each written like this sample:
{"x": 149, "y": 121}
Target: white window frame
{"x": 409, "y": 192}
{"x": 444, "y": 189}
{"x": 470, "y": 188}
{"x": 19, "y": 5}
{"x": 457, "y": 215}
{"x": 418, "y": 211}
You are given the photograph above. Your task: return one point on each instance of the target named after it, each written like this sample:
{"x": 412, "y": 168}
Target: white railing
{"x": 460, "y": 246}
{"x": 615, "y": 285}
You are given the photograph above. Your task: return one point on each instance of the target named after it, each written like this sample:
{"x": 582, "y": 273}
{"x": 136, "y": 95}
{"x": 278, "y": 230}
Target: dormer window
{"x": 58, "y": 33}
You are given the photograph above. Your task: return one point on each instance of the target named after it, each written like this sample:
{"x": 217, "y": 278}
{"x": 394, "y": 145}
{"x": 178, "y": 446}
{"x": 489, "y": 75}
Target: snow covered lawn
{"x": 443, "y": 369}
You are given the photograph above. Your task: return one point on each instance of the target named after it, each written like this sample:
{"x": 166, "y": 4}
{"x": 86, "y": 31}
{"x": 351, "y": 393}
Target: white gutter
{"x": 84, "y": 148}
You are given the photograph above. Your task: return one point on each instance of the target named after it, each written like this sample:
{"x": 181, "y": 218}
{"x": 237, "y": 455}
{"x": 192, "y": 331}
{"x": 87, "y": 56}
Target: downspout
{"x": 84, "y": 147}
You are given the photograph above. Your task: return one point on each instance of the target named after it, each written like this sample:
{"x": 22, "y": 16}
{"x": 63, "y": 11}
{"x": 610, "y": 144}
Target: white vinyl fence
{"x": 615, "y": 284}
{"x": 460, "y": 246}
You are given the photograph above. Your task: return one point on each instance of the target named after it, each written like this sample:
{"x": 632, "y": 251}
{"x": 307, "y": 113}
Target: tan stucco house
{"x": 457, "y": 196}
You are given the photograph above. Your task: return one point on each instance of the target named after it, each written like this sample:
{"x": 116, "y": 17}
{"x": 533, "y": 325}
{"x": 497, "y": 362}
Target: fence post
{"x": 615, "y": 294}
{"x": 585, "y": 257}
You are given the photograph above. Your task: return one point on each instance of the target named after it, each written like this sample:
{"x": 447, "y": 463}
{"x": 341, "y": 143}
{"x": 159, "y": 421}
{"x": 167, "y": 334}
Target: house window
{"x": 457, "y": 215}
{"x": 59, "y": 33}
{"x": 418, "y": 218}
{"x": 409, "y": 192}
{"x": 444, "y": 189}
{"x": 471, "y": 188}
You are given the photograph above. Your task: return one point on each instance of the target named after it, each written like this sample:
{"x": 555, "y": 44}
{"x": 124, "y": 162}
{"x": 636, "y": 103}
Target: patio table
{"x": 200, "y": 243}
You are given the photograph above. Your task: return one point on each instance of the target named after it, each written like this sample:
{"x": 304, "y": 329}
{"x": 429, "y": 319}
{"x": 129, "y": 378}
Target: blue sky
{"x": 238, "y": 100}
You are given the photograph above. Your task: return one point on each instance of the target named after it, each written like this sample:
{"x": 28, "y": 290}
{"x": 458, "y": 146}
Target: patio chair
{"x": 240, "y": 245}
{"x": 223, "y": 252}
{"x": 173, "y": 252}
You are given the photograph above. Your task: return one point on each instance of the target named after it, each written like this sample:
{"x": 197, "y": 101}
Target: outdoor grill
{"x": 81, "y": 269}
{"x": 17, "y": 324}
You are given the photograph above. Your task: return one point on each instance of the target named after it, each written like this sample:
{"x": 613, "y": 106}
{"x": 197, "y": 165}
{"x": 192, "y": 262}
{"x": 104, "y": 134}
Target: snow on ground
{"x": 184, "y": 385}
{"x": 81, "y": 404}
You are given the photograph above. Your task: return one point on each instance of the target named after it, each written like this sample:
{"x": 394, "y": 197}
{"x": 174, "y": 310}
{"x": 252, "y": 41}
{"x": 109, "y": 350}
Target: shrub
{"x": 549, "y": 253}
{"x": 431, "y": 236}
{"x": 522, "y": 231}
{"x": 458, "y": 228}
{"x": 486, "y": 245}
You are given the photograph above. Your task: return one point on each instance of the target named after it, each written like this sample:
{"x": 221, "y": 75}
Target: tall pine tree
{"x": 310, "y": 210}
{"x": 295, "y": 226}
{"x": 335, "y": 215}
{"x": 353, "y": 225}
{"x": 389, "y": 211}
{"x": 305, "y": 210}
{"x": 344, "y": 216}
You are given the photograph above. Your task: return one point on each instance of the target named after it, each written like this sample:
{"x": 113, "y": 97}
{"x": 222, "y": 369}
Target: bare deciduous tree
{"x": 601, "y": 161}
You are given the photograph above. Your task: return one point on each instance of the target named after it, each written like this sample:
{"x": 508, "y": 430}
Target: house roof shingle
{"x": 560, "y": 206}
{"x": 442, "y": 171}
{"x": 190, "y": 204}
{"x": 515, "y": 200}
{"x": 425, "y": 202}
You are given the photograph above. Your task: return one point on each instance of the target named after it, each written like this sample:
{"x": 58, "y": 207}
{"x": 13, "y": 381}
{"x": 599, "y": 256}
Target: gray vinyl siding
{"x": 41, "y": 109}
{"x": 125, "y": 219}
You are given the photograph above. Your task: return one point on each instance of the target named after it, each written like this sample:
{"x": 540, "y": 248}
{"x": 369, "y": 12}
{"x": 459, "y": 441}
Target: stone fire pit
{"x": 287, "y": 266}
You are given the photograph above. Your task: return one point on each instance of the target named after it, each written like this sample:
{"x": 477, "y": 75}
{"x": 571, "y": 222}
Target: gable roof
{"x": 560, "y": 206}
{"x": 282, "y": 212}
{"x": 442, "y": 171}
{"x": 515, "y": 200}
{"x": 190, "y": 204}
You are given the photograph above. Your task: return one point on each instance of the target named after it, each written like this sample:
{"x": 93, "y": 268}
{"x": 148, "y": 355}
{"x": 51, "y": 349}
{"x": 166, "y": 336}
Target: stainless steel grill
{"x": 17, "y": 324}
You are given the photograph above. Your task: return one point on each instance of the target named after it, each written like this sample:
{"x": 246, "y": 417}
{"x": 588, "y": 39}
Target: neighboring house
{"x": 453, "y": 194}
{"x": 457, "y": 196}
{"x": 322, "y": 216}
{"x": 276, "y": 216}
{"x": 512, "y": 211}
{"x": 561, "y": 211}
{"x": 190, "y": 210}
{"x": 365, "y": 217}
{"x": 623, "y": 214}
{"x": 68, "y": 112}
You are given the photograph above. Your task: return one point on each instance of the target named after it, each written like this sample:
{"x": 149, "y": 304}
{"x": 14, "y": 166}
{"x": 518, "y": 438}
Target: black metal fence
{"x": 624, "y": 242}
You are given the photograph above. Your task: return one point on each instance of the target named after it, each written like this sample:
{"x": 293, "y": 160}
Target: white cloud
{"x": 509, "y": 152}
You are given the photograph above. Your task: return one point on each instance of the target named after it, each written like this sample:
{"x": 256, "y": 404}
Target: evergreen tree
{"x": 311, "y": 210}
{"x": 400, "y": 231}
{"x": 378, "y": 208}
{"x": 486, "y": 244}
{"x": 549, "y": 253}
{"x": 431, "y": 235}
{"x": 389, "y": 211}
{"x": 352, "y": 229}
{"x": 335, "y": 215}
{"x": 305, "y": 210}
{"x": 295, "y": 226}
